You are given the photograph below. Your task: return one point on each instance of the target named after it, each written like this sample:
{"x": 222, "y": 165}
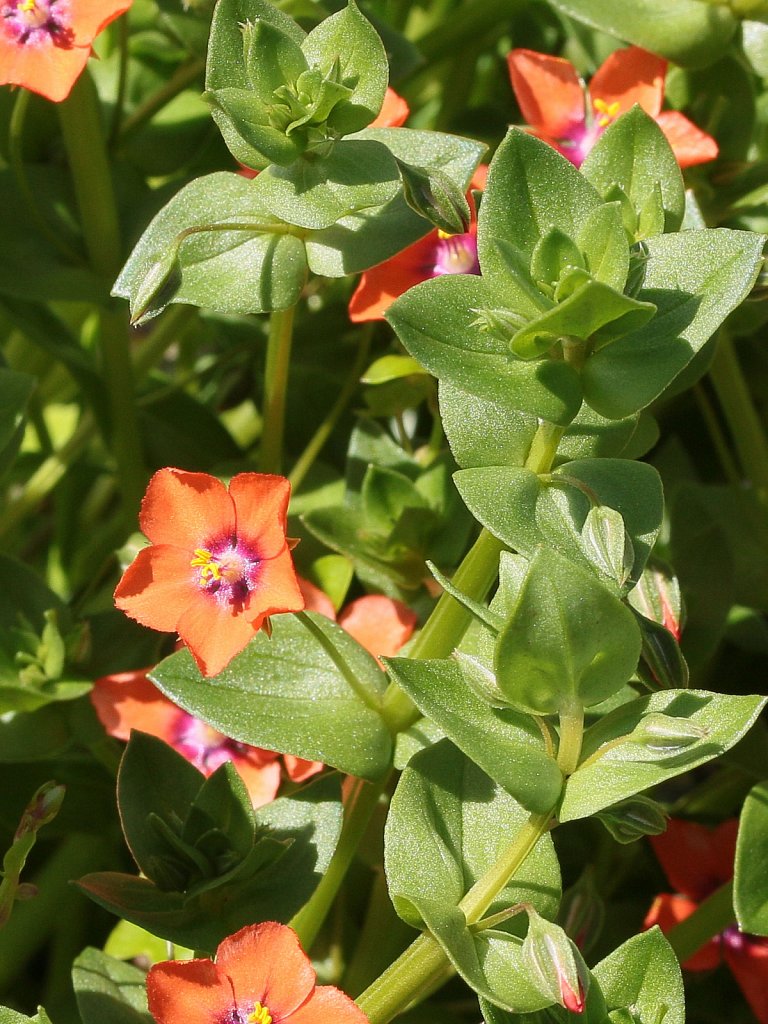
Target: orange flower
{"x": 219, "y": 563}
{"x": 45, "y": 44}
{"x": 432, "y": 256}
{"x": 128, "y": 700}
{"x": 698, "y": 860}
{"x": 394, "y": 111}
{"x": 553, "y": 99}
{"x": 379, "y": 624}
{"x": 261, "y": 976}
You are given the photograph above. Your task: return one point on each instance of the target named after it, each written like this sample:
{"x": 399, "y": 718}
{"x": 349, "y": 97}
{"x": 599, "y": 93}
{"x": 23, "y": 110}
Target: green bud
{"x": 607, "y": 544}
{"x": 481, "y": 680}
{"x": 436, "y": 197}
{"x": 41, "y": 809}
{"x": 161, "y": 282}
{"x": 555, "y": 965}
{"x": 662, "y": 664}
{"x": 553, "y": 254}
{"x": 634, "y": 818}
{"x": 664, "y": 734}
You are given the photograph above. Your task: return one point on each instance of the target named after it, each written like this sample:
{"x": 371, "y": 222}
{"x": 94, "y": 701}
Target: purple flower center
{"x": 202, "y": 745}
{"x": 37, "y": 22}
{"x": 228, "y": 569}
{"x": 455, "y": 254}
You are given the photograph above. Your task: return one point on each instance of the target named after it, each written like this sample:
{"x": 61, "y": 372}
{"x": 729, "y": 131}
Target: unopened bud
{"x": 631, "y": 819}
{"x": 436, "y": 197}
{"x": 606, "y": 543}
{"x": 481, "y": 680}
{"x": 160, "y": 284}
{"x": 657, "y": 597}
{"x": 41, "y": 809}
{"x": 26, "y": 891}
{"x": 555, "y": 965}
{"x": 662, "y": 664}
{"x": 665, "y": 734}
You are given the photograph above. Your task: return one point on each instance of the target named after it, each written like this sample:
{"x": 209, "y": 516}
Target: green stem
{"x": 123, "y": 33}
{"x": 543, "y": 448}
{"x": 16, "y": 156}
{"x": 571, "y": 736}
{"x": 184, "y": 76}
{"x": 707, "y": 411}
{"x": 324, "y": 431}
{"x": 739, "y": 410}
{"x": 275, "y": 387}
{"x": 710, "y": 918}
{"x": 358, "y": 809}
{"x": 80, "y": 117}
{"x": 424, "y": 960}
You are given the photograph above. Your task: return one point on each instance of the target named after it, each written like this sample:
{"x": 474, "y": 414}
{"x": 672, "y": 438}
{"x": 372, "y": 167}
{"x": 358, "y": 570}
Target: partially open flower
{"x": 219, "y": 563}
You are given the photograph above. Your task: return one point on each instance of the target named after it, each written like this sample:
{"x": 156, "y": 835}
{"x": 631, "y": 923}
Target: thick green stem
{"x": 739, "y": 410}
{"x": 571, "y": 736}
{"x": 358, "y": 809}
{"x": 424, "y": 960}
{"x": 80, "y": 118}
{"x": 710, "y": 918}
{"x": 275, "y": 387}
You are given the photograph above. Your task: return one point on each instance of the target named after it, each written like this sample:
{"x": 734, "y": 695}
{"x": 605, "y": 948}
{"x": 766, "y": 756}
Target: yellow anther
{"x": 209, "y": 570}
{"x": 443, "y": 234}
{"x": 28, "y": 5}
{"x": 607, "y": 110}
{"x": 260, "y": 1015}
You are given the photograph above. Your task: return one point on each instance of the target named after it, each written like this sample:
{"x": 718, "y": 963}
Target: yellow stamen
{"x": 443, "y": 234}
{"x": 260, "y": 1015}
{"x": 209, "y": 570}
{"x": 28, "y": 5}
{"x": 608, "y": 111}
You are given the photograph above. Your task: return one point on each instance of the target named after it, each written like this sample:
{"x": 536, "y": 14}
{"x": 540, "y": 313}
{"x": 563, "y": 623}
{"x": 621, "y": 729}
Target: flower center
{"x": 455, "y": 254}
{"x": 215, "y": 568}
{"x": 227, "y": 569}
{"x": 260, "y": 1015}
{"x": 205, "y": 747}
{"x": 37, "y": 21}
{"x": 607, "y": 111}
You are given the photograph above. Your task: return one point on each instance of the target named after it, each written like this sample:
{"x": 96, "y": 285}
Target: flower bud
{"x": 160, "y": 284}
{"x": 657, "y": 597}
{"x": 41, "y": 809}
{"x": 481, "y": 680}
{"x": 436, "y": 197}
{"x": 666, "y": 734}
{"x": 606, "y": 543}
{"x": 555, "y": 965}
{"x": 662, "y": 665}
{"x": 631, "y": 819}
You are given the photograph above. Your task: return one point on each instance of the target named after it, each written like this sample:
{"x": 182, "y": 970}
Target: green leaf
{"x": 436, "y": 321}
{"x": 504, "y": 743}
{"x": 255, "y": 267}
{"x": 297, "y": 693}
{"x": 350, "y": 39}
{"x": 695, "y": 278}
{"x": 531, "y": 189}
{"x": 356, "y": 175}
{"x": 616, "y": 774}
{"x": 484, "y": 432}
{"x": 367, "y": 237}
{"x": 527, "y": 511}
{"x": 109, "y": 990}
{"x": 687, "y": 32}
{"x": 248, "y": 117}
{"x": 750, "y": 892}
{"x": 603, "y": 241}
{"x": 447, "y": 825}
{"x": 644, "y": 975}
{"x": 591, "y": 436}
{"x": 15, "y": 391}
{"x": 569, "y": 641}
{"x": 634, "y": 154}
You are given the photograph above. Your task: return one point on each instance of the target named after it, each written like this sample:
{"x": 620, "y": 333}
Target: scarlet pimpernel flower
{"x": 562, "y": 111}
{"x": 129, "y": 700}
{"x": 45, "y": 44}
{"x": 261, "y": 976}
{"x": 698, "y": 860}
{"x": 218, "y": 564}
{"x": 436, "y": 254}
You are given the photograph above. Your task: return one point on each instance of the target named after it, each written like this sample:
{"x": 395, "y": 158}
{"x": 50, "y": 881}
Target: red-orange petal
{"x": 479, "y": 178}
{"x": 749, "y": 965}
{"x": 381, "y": 285}
{"x": 298, "y": 770}
{"x": 188, "y": 510}
{"x": 262, "y": 780}
{"x": 214, "y": 632}
{"x": 261, "y": 509}
{"x": 689, "y": 143}
{"x": 394, "y": 111}
{"x": 328, "y": 1005}
{"x": 157, "y": 587}
{"x": 549, "y": 92}
{"x": 267, "y": 965}
{"x": 380, "y": 624}
{"x": 89, "y": 17}
{"x": 315, "y": 599}
{"x": 669, "y": 909}
{"x": 192, "y": 991}
{"x": 47, "y": 69}
{"x": 630, "y": 76}
{"x": 696, "y": 860}
{"x": 128, "y": 700}
{"x": 277, "y": 588}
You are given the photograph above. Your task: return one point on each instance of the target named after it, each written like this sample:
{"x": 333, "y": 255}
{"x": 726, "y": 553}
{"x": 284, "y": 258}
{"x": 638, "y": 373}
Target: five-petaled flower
{"x": 218, "y": 564}
{"x": 45, "y": 44}
{"x": 261, "y": 976}
{"x": 698, "y": 860}
{"x": 436, "y": 254}
{"x": 129, "y": 700}
{"x": 560, "y": 110}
